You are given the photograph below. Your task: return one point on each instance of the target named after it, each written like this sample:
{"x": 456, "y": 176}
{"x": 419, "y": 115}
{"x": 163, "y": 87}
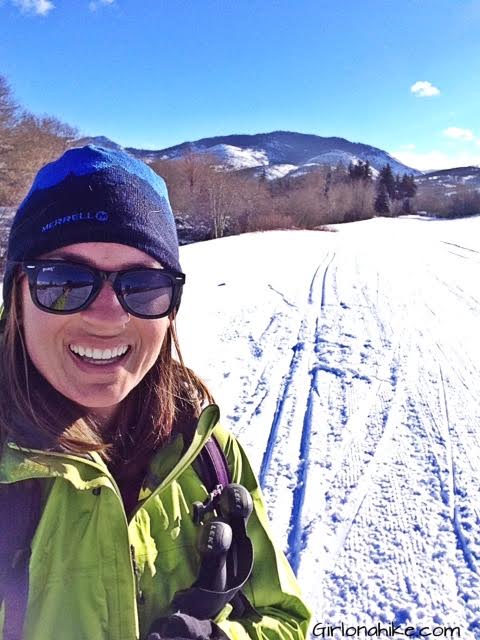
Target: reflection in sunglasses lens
{"x": 146, "y": 292}
{"x": 63, "y": 287}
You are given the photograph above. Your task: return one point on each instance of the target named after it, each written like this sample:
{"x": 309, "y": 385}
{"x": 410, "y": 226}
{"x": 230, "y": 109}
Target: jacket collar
{"x": 20, "y": 463}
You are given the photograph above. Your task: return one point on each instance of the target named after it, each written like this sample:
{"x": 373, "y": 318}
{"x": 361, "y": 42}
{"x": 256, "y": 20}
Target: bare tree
{"x": 305, "y": 200}
{"x": 37, "y": 140}
{"x": 8, "y": 119}
{"x": 432, "y": 200}
{"x": 222, "y": 200}
{"x": 185, "y": 178}
{"x": 26, "y": 143}
{"x": 254, "y": 204}
{"x": 207, "y": 196}
{"x": 8, "y": 107}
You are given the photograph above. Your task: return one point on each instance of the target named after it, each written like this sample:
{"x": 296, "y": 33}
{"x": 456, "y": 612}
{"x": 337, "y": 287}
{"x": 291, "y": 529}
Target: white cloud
{"x": 458, "y": 134}
{"x": 95, "y": 4}
{"x": 424, "y": 89}
{"x": 39, "y": 7}
{"x": 432, "y": 160}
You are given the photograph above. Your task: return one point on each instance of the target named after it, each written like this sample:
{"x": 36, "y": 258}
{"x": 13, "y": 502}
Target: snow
{"x": 334, "y": 157}
{"x": 235, "y": 157}
{"x": 348, "y": 365}
{"x": 275, "y": 171}
{"x": 305, "y": 168}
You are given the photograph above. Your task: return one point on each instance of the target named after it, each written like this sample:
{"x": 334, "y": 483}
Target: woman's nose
{"x": 106, "y": 308}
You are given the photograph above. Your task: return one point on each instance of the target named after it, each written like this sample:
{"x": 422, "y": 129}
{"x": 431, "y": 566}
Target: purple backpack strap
{"x": 213, "y": 465}
{"x": 203, "y": 603}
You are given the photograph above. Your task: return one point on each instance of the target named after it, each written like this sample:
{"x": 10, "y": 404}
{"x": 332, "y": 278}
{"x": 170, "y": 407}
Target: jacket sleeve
{"x": 272, "y": 587}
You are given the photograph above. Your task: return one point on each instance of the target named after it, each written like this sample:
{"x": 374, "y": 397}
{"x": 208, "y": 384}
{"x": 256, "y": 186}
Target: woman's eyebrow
{"x": 65, "y": 255}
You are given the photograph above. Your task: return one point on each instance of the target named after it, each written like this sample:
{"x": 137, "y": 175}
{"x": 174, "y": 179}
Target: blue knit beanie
{"x": 92, "y": 194}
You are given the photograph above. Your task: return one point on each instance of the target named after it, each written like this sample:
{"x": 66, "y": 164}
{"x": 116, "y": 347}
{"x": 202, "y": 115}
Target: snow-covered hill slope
{"x": 274, "y": 171}
{"x": 286, "y": 147}
{"x": 231, "y": 157}
{"x": 451, "y": 178}
{"x": 348, "y": 364}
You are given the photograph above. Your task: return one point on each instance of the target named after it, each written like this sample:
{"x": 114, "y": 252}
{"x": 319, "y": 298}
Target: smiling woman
{"x": 63, "y": 346}
{"x": 111, "y": 528}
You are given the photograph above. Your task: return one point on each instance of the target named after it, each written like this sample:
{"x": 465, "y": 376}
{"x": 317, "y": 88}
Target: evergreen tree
{"x": 367, "y": 172}
{"x": 413, "y": 186}
{"x": 408, "y": 186}
{"x": 398, "y": 188}
{"x": 407, "y": 190}
{"x": 360, "y": 171}
{"x": 381, "y": 201}
{"x": 328, "y": 182}
{"x": 387, "y": 178}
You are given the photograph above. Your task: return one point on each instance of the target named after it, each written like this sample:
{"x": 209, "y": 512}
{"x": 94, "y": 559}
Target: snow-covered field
{"x": 348, "y": 364}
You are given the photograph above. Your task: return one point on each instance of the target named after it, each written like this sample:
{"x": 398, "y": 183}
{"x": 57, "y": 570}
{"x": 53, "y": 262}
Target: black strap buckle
{"x": 209, "y": 504}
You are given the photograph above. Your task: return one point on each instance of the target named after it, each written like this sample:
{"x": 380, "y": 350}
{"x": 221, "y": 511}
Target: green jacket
{"x": 83, "y": 585}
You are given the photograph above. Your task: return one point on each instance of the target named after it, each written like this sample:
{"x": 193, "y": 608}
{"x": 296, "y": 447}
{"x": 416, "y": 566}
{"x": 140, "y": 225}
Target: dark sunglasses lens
{"x": 63, "y": 287}
{"x": 146, "y": 292}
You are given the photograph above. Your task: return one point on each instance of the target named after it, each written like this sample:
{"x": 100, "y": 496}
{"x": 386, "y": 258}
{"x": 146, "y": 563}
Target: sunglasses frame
{"x": 32, "y": 267}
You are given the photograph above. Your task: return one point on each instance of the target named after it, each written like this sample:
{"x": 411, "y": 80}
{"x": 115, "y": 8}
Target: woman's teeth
{"x": 99, "y": 356}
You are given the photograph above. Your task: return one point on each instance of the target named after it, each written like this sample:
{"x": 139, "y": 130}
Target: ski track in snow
{"x": 289, "y": 378}
{"x": 359, "y": 405}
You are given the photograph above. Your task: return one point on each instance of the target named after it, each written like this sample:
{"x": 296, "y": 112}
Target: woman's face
{"x": 103, "y": 325}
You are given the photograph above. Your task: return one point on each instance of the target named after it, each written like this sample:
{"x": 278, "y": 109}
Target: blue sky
{"x": 154, "y": 73}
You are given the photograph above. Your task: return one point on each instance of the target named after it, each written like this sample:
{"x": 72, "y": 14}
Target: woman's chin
{"x": 102, "y": 404}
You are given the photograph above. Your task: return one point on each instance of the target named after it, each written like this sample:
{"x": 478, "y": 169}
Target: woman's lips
{"x": 89, "y": 365}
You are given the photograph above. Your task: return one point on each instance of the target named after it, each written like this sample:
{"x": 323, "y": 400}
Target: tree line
{"x": 218, "y": 203}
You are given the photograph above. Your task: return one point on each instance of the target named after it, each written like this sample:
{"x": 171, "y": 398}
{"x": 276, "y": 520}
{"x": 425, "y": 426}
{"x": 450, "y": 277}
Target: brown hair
{"x": 35, "y": 414}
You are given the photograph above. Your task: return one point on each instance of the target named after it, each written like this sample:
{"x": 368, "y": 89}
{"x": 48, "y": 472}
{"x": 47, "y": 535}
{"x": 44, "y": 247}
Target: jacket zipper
{"x": 136, "y": 573}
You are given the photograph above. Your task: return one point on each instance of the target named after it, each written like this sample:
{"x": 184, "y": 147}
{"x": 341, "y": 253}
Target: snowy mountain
{"x": 285, "y": 147}
{"x": 235, "y": 158}
{"x": 451, "y": 178}
{"x": 299, "y": 149}
{"x": 303, "y": 152}
{"x": 100, "y": 141}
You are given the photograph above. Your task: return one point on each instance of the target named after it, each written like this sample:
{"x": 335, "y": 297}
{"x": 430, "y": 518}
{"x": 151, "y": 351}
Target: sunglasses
{"x": 62, "y": 287}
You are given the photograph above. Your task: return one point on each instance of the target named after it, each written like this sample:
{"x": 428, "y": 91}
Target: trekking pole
{"x": 235, "y": 502}
{"x": 236, "y": 505}
{"x": 215, "y": 541}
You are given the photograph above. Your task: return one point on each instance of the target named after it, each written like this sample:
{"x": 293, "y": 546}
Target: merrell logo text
{"x": 99, "y": 216}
